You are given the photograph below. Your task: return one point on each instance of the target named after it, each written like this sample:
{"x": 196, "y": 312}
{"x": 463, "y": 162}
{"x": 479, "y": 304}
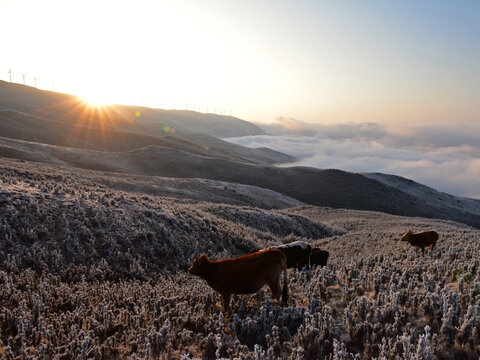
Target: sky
{"x": 316, "y": 61}
{"x": 389, "y": 86}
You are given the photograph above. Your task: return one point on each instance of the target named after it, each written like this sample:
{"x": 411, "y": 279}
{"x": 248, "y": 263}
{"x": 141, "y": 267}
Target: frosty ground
{"x": 89, "y": 269}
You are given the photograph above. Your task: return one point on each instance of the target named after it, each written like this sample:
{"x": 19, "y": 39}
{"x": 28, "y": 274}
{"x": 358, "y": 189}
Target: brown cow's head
{"x": 199, "y": 265}
{"x": 406, "y": 236}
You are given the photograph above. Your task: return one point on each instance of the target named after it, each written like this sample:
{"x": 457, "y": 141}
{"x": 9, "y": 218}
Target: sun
{"x": 93, "y": 101}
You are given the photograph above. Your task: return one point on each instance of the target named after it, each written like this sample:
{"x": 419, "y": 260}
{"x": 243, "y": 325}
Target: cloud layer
{"x": 445, "y": 157}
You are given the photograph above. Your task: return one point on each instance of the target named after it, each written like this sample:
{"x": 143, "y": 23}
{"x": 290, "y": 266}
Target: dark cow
{"x": 421, "y": 240}
{"x": 297, "y": 253}
{"x": 244, "y": 275}
{"x": 319, "y": 257}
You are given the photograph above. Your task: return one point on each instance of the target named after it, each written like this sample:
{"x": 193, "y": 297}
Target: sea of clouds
{"x": 445, "y": 157}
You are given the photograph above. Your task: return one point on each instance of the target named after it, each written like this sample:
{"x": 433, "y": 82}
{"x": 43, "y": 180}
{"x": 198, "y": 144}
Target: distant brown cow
{"x": 421, "y": 240}
{"x": 244, "y": 275}
{"x": 319, "y": 257}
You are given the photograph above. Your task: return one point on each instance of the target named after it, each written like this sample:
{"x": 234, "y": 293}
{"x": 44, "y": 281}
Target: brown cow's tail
{"x": 285, "y": 286}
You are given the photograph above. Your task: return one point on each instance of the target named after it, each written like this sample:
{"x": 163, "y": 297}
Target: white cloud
{"x": 446, "y": 158}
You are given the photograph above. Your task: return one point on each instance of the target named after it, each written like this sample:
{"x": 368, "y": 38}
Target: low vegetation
{"x": 89, "y": 272}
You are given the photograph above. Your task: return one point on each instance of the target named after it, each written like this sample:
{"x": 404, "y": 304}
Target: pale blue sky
{"x": 316, "y": 61}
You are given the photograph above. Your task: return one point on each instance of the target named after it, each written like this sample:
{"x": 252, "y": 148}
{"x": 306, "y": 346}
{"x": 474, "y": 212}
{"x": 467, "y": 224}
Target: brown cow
{"x": 244, "y": 275}
{"x": 421, "y": 240}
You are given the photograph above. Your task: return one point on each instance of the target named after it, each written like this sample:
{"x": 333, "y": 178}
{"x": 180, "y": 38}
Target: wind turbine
{"x": 23, "y": 75}
{"x": 10, "y": 73}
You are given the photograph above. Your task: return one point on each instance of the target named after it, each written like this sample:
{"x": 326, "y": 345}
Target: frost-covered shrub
{"x": 90, "y": 272}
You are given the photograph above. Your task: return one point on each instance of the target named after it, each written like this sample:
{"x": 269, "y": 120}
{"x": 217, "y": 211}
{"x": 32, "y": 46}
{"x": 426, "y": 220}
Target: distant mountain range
{"x": 60, "y": 129}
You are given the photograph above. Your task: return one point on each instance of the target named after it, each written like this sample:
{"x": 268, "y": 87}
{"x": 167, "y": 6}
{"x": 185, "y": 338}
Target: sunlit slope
{"x": 59, "y": 119}
{"x": 71, "y": 109}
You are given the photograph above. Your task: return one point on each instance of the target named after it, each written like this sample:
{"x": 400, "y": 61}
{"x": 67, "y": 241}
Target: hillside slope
{"x": 59, "y": 119}
{"x": 430, "y": 196}
{"x": 21, "y": 126}
{"x": 70, "y": 109}
{"x": 333, "y": 188}
{"x": 211, "y": 191}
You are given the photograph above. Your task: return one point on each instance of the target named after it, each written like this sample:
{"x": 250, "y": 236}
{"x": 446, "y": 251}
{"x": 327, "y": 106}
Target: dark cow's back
{"x": 319, "y": 257}
{"x": 297, "y": 253}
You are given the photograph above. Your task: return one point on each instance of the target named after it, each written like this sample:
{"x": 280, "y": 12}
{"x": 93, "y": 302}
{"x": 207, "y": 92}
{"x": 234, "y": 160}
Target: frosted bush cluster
{"x": 50, "y": 220}
{"x": 273, "y": 222}
{"x": 87, "y": 272}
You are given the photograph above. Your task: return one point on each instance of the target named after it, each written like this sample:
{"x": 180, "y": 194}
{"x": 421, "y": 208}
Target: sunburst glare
{"x": 93, "y": 101}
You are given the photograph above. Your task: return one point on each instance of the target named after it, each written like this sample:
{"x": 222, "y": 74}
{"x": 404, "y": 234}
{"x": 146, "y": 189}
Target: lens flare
{"x": 168, "y": 129}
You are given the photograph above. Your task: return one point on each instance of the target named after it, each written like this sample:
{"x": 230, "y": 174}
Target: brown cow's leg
{"x": 423, "y": 251}
{"x": 226, "y": 302}
{"x": 275, "y": 288}
{"x": 432, "y": 246}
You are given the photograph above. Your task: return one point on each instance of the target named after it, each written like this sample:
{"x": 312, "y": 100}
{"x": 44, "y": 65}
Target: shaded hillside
{"x": 334, "y": 188}
{"x": 214, "y": 147}
{"x": 430, "y": 195}
{"x": 31, "y": 128}
{"x": 210, "y": 191}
